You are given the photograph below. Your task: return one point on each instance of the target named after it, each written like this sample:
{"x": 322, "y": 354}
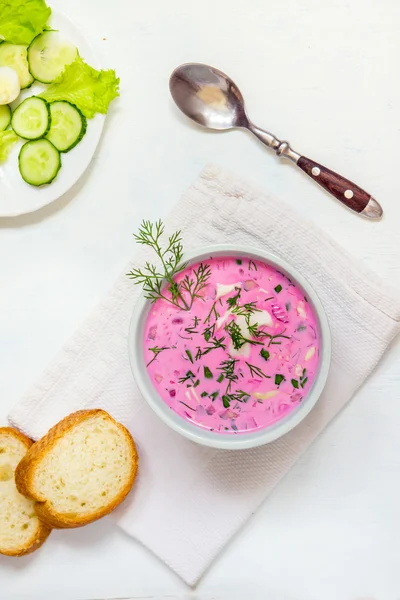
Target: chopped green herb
{"x": 253, "y": 328}
{"x": 189, "y": 355}
{"x": 246, "y": 310}
{"x": 235, "y": 334}
{"x": 256, "y": 371}
{"x": 303, "y": 378}
{"x": 203, "y": 394}
{"x": 273, "y": 338}
{"x": 238, "y": 261}
{"x": 192, "y": 328}
{"x": 288, "y": 306}
{"x": 209, "y": 332}
{"x": 207, "y": 373}
{"x": 184, "y": 337}
{"x": 295, "y": 384}
{"x": 215, "y": 343}
{"x": 237, "y": 337}
{"x": 214, "y": 395}
{"x": 220, "y": 378}
{"x": 231, "y": 302}
{"x": 279, "y": 379}
{"x": 213, "y": 312}
{"x": 187, "y": 406}
{"x": 252, "y": 265}
{"x": 156, "y": 351}
{"x": 196, "y": 383}
{"x": 240, "y": 396}
{"x": 189, "y": 375}
{"x": 226, "y": 401}
{"x": 301, "y": 328}
{"x": 278, "y": 288}
{"x": 265, "y": 354}
{"x": 228, "y": 371}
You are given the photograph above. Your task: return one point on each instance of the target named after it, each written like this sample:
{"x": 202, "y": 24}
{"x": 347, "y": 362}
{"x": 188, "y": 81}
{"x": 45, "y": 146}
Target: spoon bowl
{"x": 208, "y": 97}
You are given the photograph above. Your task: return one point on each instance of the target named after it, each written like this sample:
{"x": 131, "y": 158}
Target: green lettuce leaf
{"x": 22, "y": 20}
{"x": 7, "y": 141}
{"x": 90, "y": 90}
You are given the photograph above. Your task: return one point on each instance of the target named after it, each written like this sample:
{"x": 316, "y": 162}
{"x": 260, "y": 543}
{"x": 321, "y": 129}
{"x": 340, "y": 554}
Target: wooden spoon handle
{"x": 344, "y": 190}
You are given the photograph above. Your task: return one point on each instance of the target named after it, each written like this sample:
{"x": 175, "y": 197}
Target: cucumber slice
{"x": 5, "y": 116}
{"x": 39, "y": 162}
{"x": 31, "y": 119}
{"x": 48, "y": 55}
{"x": 15, "y": 56}
{"x": 68, "y": 125}
{"x": 9, "y": 85}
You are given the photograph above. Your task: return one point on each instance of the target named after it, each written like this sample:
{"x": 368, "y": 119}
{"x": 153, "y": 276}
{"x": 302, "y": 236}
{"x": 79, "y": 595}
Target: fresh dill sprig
{"x": 188, "y": 377}
{"x": 273, "y": 338}
{"x": 214, "y": 344}
{"x": 231, "y": 302}
{"x": 237, "y": 337}
{"x": 256, "y": 332}
{"x": 194, "y": 286}
{"x": 227, "y": 368}
{"x": 246, "y": 310}
{"x": 256, "y": 371}
{"x": 153, "y": 279}
{"x": 213, "y": 312}
{"x": 156, "y": 351}
{"x": 253, "y": 328}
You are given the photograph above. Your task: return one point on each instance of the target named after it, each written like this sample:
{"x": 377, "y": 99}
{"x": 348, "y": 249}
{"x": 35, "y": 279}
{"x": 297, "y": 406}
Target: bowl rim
{"x": 194, "y": 432}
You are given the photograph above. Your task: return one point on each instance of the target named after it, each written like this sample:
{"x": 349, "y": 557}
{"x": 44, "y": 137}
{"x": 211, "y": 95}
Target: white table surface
{"x": 325, "y": 76}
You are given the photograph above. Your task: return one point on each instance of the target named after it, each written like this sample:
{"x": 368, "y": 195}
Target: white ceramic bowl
{"x": 210, "y": 438}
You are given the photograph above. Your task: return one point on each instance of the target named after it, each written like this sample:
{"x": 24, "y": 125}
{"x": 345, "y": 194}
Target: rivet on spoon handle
{"x": 344, "y": 190}
{"x": 341, "y": 188}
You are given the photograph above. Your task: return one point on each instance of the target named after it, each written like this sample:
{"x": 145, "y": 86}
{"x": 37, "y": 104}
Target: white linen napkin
{"x": 188, "y": 500}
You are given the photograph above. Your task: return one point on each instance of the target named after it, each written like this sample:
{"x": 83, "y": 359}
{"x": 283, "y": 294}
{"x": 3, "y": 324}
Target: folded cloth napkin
{"x": 189, "y": 500}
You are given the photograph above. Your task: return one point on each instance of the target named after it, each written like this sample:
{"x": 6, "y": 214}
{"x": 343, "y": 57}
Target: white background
{"x": 325, "y": 76}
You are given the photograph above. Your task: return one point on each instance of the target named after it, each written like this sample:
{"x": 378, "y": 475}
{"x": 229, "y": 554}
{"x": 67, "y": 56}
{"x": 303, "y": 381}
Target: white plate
{"x": 18, "y": 197}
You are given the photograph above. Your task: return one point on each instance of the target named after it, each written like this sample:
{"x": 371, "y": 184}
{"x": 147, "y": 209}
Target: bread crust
{"x": 17, "y": 434}
{"x": 26, "y": 468}
{"x": 42, "y": 531}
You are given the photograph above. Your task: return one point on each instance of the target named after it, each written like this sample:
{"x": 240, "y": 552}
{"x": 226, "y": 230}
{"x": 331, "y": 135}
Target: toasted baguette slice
{"x": 21, "y": 532}
{"x": 80, "y": 470}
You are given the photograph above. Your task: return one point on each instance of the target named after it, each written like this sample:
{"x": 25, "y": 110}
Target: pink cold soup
{"x": 243, "y": 357}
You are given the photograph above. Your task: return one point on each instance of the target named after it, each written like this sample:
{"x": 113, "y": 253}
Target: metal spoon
{"x": 212, "y": 99}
